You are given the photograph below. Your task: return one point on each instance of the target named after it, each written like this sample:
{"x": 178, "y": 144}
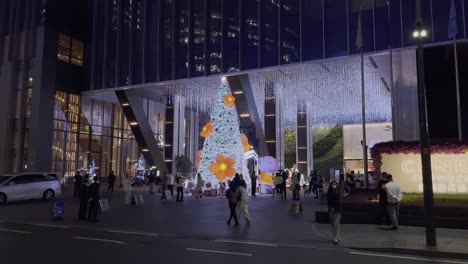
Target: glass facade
{"x": 88, "y": 131}
{"x": 177, "y": 39}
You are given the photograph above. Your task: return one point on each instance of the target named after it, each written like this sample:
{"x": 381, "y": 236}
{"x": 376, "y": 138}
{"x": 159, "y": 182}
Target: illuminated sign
{"x": 449, "y": 172}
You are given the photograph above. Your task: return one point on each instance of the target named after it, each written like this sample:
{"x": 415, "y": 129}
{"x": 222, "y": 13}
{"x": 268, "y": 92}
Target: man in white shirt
{"x": 394, "y": 197}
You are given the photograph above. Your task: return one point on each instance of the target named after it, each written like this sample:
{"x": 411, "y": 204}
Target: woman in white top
{"x": 242, "y": 207}
{"x": 127, "y": 185}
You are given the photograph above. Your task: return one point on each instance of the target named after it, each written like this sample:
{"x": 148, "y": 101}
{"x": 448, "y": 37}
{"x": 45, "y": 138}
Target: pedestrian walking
{"x": 170, "y": 183}
{"x": 164, "y": 180}
{"x": 77, "y": 184}
{"x": 335, "y": 207}
{"x": 93, "y": 200}
{"x": 199, "y": 188}
{"x": 312, "y": 177}
{"x": 127, "y": 186}
{"x": 394, "y": 197}
{"x": 382, "y": 215}
{"x": 180, "y": 188}
{"x": 233, "y": 197}
{"x": 296, "y": 185}
{"x": 111, "y": 182}
{"x": 318, "y": 185}
{"x": 285, "y": 175}
{"x": 253, "y": 180}
{"x": 151, "y": 181}
{"x": 83, "y": 195}
{"x": 241, "y": 207}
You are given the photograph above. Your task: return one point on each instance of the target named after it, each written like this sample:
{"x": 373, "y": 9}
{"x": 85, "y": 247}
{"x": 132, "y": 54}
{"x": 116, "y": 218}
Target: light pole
{"x": 420, "y": 34}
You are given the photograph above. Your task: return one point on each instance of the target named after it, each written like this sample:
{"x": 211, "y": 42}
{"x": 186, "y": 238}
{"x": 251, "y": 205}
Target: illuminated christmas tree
{"x": 223, "y": 150}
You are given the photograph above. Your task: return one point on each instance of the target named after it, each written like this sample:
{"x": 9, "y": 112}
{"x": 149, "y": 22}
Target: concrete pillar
{"x": 179, "y": 129}
{"x": 42, "y": 103}
{"x": 5, "y": 107}
{"x": 279, "y": 128}
{"x": 405, "y": 96}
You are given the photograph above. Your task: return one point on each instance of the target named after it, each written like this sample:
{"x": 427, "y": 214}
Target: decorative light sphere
{"x": 267, "y": 164}
{"x": 423, "y": 33}
{"x": 416, "y": 34}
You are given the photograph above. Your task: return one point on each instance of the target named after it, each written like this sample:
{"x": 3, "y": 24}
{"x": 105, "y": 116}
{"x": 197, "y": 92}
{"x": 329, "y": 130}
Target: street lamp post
{"x": 420, "y": 33}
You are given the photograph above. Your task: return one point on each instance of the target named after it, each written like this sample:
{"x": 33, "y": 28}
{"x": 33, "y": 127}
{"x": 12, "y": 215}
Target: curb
{"x": 417, "y": 252}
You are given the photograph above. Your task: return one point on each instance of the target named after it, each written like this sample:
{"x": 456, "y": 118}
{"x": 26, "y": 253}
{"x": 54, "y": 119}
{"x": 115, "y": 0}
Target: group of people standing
{"x": 237, "y": 200}
{"x": 390, "y": 195}
{"x": 281, "y": 176}
{"x": 87, "y": 190}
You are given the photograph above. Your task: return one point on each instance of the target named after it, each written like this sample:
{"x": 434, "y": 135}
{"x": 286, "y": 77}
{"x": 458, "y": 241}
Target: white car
{"x": 27, "y": 186}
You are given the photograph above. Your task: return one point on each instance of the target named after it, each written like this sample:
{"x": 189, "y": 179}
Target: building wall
{"x": 144, "y": 41}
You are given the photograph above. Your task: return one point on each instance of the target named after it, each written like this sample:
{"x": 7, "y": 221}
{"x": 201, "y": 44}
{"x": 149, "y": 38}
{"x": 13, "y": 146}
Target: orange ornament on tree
{"x": 245, "y": 142}
{"x": 229, "y": 100}
{"x": 197, "y": 163}
{"x": 206, "y": 130}
{"x": 222, "y": 167}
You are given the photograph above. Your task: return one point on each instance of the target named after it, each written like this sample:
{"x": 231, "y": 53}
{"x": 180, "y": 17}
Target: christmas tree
{"x": 223, "y": 150}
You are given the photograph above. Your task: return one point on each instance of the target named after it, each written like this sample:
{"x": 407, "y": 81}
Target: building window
{"x": 64, "y": 50}
{"x": 70, "y": 50}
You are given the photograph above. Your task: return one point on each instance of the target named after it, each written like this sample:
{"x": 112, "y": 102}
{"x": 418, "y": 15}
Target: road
{"x": 190, "y": 232}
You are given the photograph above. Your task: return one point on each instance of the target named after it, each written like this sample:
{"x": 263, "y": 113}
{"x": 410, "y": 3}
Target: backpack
{"x": 278, "y": 180}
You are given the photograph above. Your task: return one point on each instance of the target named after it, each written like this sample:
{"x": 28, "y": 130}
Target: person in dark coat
{"x": 111, "y": 181}
{"x": 94, "y": 200}
{"x": 253, "y": 180}
{"x": 83, "y": 194}
{"x": 383, "y": 217}
{"x": 77, "y": 184}
{"x": 335, "y": 206}
{"x": 233, "y": 197}
{"x": 151, "y": 181}
{"x": 285, "y": 176}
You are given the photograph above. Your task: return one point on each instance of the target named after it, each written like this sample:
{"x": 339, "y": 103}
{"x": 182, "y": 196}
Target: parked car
{"x": 27, "y": 186}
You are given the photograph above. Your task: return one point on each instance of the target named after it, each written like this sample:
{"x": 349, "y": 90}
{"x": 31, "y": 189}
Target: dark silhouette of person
{"x": 285, "y": 176}
{"x": 83, "y": 194}
{"x": 77, "y": 184}
{"x": 254, "y": 183}
{"x": 233, "y": 197}
{"x": 383, "y": 216}
{"x": 94, "y": 200}
{"x": 111, "y": 181}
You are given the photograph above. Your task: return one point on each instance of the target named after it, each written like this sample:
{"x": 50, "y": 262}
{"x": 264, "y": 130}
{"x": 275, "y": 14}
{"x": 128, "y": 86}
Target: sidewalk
{"x": 451, "y": 243}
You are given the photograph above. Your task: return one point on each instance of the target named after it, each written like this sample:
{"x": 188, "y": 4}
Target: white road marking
{"x": 101, "y": 240}
{"x": 133, "y": 233}
{"x": 246, "y": 242}
{"x": 219, "y": 252}
{"x": 410, "y": 258}
{"x": 56, "y": 226}
{"x": 15, "y": 231}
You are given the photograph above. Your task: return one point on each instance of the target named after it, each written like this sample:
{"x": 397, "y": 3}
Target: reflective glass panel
{"x": 290, "y": 31}
{"x": 336, "y": 35}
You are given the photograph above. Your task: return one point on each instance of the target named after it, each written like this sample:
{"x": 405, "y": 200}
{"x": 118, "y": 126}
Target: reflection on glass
{"x": 290, "y": 31}
{"x": 336, "y": 33}
{"x": 181, "y": 44}
{"x": 269, "y": 31}
{"x": 198, "y": 41}
{"x": 214, "y": 36}
{"x": 250, "y": 34}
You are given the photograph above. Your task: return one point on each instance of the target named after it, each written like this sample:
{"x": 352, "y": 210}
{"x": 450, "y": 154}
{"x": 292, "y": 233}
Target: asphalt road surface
{"x": 28, "y": 243}
{"x": 168, "y": 232}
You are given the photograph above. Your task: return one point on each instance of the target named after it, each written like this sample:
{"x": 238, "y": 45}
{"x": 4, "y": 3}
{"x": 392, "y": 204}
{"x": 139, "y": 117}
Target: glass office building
{"x": 57, "y": 56}
{"x": 147, "y": 41}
